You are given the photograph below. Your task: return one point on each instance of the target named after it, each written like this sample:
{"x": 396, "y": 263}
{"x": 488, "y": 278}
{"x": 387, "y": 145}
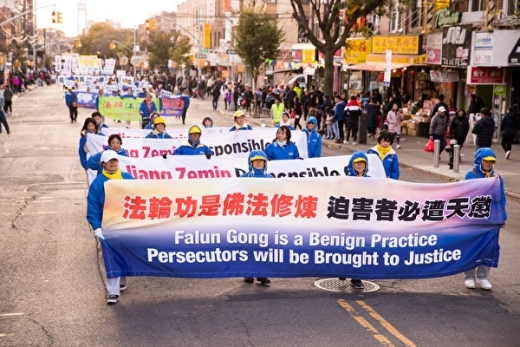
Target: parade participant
{"x": 153, "y": 117}
{"x": 207, "y": 122}
{"x": 438, "y": 128}
{"x": 509, "y": 127}
{"x": 257, "y": 163}
{"x": 276, "y": 110}
{"x": 484, "y": 167}
{"x": 286, "y": 120}
{"x": 193, "y": 146}
{"x": 71, "y": 100}
{"x": 484, "y": 129}
{"x": 115, "y": 144}
{"x": 159, "y": 130}
{"x": 89, "y": 127}
{"x": 99, "y": 121}
{"x": 313, "y": 138}
{"x": 385, "y": 152}
{"x": 357, "y": 167}
{"x": 459, "y": 127}
{"x": 95, "y": 204}
{"x": 146, "y": 108}
{"x": 394, "y": 118}
{"x": 240, "y": 122}
{"x": 282, "y": 147}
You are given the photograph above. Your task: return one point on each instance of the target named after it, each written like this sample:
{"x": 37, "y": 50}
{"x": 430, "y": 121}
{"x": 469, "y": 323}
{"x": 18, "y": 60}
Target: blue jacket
{"x": 313, "y": 139}
{"x": 349, "y": 169}
{"x": 390, "y": 162}
{"x": 96, "y": 199}
{"x": 143, "y": 110}
{"x": 81, "y": 150}
{"x": 275, "y": 151}
{"x": 255, "y": 172}
{"x": 277, "y": 125}
{"x": 70, "y": 98}
{"x": 339, "y": 115}
{"x": 189, "y": 149}
{"x": 163, "y": 135}
{"x": 478, "y": 173}
{"x": 93, "y": 162}
{"x": 246, "y": 127}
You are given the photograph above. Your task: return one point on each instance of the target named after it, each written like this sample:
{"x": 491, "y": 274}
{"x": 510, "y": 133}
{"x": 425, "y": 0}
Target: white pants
{"x": 482, "y": 271}
{"x": 114, "y": 283}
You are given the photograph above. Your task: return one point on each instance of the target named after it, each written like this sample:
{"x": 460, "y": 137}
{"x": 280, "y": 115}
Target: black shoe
{"x": 249, "y": 279}
{"x": 263, "y": 280}
{"x": 112, "y": 299}
{"x": 358, "y": 284}
{"x": 342, "y": 278}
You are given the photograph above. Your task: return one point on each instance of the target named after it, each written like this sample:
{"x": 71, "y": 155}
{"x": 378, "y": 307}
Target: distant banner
{"x": 173, "y": 106}
{"x": 86, "y": 99}
{"x": 118, "y": 108}
{"x": 367, "y": 228}
{"x": 189, "y": 167}
{"x": 88, "y": 61}
{"x": 231, "y": 143}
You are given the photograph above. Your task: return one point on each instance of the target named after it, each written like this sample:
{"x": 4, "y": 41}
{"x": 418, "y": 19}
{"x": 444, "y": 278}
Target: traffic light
{"x": 77, "y": 44}
{"x": 112, "y": 45}
{"x": 153, "y": 24}
{"x": 53, "y": 17}
{"x": 60, "y": 21}
{"x": 147, "y": 24}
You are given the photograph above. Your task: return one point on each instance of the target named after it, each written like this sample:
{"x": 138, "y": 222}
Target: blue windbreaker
{"x": 390, "y": 162}
{"x": 313, "y": 139}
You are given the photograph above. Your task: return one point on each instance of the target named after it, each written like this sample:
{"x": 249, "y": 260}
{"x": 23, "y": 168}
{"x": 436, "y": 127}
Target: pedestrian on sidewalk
{"x": 339, "y": 118}
{"x": 459, "y": 127}
{"x": 3, "y": 121}
{"x": 8, "y": 101}
{"x": 484, "y": 167}
{"x": 438, "y": 128}
{"x": 95, "y": 203}
{"x": 484, "y": 129}
{"x": 394, "y": 119}
{"x": 509, "y": 127}
{"x": 352, "y": 113}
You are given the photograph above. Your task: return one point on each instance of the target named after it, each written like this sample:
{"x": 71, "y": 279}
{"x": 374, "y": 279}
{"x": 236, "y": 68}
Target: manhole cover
{"x": 336, "y": 285}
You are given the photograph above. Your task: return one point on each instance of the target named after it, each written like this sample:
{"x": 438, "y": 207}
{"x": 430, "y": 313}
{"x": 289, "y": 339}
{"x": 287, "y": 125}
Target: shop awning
{"x": 376, "y": 67}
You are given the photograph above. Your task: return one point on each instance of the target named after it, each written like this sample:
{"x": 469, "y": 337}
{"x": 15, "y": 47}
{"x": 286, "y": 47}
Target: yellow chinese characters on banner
{"x": 405, "y": 44}
{"x": 88, "y": 61}
{"x": 356, "y": 51}
{"x": 207, "y": 36}
{"x": 308, "y": 56}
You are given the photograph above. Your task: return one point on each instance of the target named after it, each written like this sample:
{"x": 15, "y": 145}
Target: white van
{"x": 300, "y": 79}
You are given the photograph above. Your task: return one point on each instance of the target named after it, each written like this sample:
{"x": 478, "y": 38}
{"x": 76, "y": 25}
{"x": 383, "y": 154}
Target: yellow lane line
{"x": 365, "y": 324}
{"x": 389, "y": 327}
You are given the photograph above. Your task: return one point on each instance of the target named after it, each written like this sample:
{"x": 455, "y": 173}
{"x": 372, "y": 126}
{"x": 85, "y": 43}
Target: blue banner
{"x": 86, "y": 99}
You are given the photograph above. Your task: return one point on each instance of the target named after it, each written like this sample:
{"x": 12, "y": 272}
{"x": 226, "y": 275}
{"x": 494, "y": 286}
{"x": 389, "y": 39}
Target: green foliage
{"x": 99, "y": 37}
{"x": 163, "y": 46}
{"x": 257, "y": 37}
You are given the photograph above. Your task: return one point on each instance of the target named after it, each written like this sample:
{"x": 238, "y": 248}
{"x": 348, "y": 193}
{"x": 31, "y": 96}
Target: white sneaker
{"x": 354, "y": 143}
{"x": 484, "y": 283}
{"x": 508, "y": 153}
{"x": 469, "y": 283}
{"x": 398, "y": 146}
{"x": 345, "y": 142}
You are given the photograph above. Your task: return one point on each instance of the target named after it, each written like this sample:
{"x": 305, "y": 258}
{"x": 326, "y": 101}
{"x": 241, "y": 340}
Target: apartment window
{"x": 394, "y": 16}
{"x": 511, "y": 7}
{"x": 417, "y": 14}
{"x": 476, "y": 5}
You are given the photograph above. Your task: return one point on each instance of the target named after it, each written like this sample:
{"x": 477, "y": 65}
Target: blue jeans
{"x": 443, "y": 142}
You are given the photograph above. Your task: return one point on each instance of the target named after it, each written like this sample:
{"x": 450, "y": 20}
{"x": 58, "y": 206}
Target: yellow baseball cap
{"x": 357, "y": 160}
{"x": 159, "y": 120}
{"x": 489, "y": 158}
{"x": 257, "y": 157}
{"x": 239, "y": 113}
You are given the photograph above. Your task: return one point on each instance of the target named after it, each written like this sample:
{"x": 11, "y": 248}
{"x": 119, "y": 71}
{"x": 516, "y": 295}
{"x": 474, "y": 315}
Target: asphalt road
{"x": 51, "y": 274}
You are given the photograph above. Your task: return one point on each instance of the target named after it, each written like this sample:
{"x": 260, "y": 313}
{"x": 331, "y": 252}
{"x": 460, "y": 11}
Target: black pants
{"x": 8, "y": 106}
{"x": 215, "y": 102}
{"x": 352, "y": 129}
{"x": 184, "y": 115}
{"x": 507, "y": 142}
{"x": 341, "y": 124}
{"x": 144, "y": 122}
{"x": 297, "y": 122}
{"x": 73, "y": 113}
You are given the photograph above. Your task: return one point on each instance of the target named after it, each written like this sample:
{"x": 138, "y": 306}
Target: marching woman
{"x": 193, "y": 146}
{"x": 257, "y": 162}
{"x": 153, "y": 117}
{"x": 240, "y": 123}
{"x": 386, "y": 153}
{"x": 282, "y": 147}
{"x": 313, "y": 138}
{"x": 89, "y": 127}
{"x": 114, "y": 144}
{"x": 159, "y": 130}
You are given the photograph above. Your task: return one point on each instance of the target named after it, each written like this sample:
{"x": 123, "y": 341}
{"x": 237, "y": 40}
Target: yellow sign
{"x": 88, "y": 61}
{"x": 207, "y": 36}
{"x": 356, "y": 51}
{"x": 308, "y": 56}
{"x": 397, "y": 44}
{"x": 440, "y": 4}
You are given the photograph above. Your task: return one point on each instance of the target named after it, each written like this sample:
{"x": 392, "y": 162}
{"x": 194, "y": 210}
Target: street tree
{"x": 163, "y": 46}
{"x": 257, "y": 37}
{"x": 333, "y": 29}
{"x": 98, "y": 39}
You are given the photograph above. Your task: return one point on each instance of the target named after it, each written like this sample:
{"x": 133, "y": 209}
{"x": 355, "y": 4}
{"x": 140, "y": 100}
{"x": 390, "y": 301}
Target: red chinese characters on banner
{"x": 486, "y": 75}
{"x": 232, "y": 204}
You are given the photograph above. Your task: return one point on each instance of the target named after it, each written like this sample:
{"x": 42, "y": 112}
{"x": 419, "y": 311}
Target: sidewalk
{"x": 412, "y": 155}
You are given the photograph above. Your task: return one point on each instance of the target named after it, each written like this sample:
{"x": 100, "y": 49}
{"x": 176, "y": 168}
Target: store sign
{"x": 440, "y": 4}
{"x": 444, "y": 76}
{"x": 434, "y": 49}
{"x": 485, "y": 75}
{"x": 404, "y": 44}
{"x": 456, "y": 45}
{"x": 356, "y": 51}
{"x": 514, "y": 56}
{"x": 483, "y": 48}
{"x": 446, "y": 16}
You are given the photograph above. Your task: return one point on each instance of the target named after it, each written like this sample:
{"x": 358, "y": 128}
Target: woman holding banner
{"x": 282, "y": 147}
{"x": 114, "y": 144}
{"x": 159, "y": 130}
{"x": 193, "y": 146}
{"x": 146, "y": 108}
{"x": 95, "y": 204}
{"x": 89, "y": 127}
{"x": 257, "y": 162}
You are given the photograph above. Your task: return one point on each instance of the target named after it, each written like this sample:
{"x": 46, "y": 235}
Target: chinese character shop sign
{"x": 456, "y": 41}
{"x": 486, "y": 75}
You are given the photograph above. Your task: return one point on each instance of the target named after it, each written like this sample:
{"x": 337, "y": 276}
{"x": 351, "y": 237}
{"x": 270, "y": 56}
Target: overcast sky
{"x": 129, "y": 13}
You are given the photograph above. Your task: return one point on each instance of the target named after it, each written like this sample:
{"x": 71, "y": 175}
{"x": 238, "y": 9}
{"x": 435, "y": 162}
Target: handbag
{"x": 293, "y": 114}
{"x": 429, "y": 146}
